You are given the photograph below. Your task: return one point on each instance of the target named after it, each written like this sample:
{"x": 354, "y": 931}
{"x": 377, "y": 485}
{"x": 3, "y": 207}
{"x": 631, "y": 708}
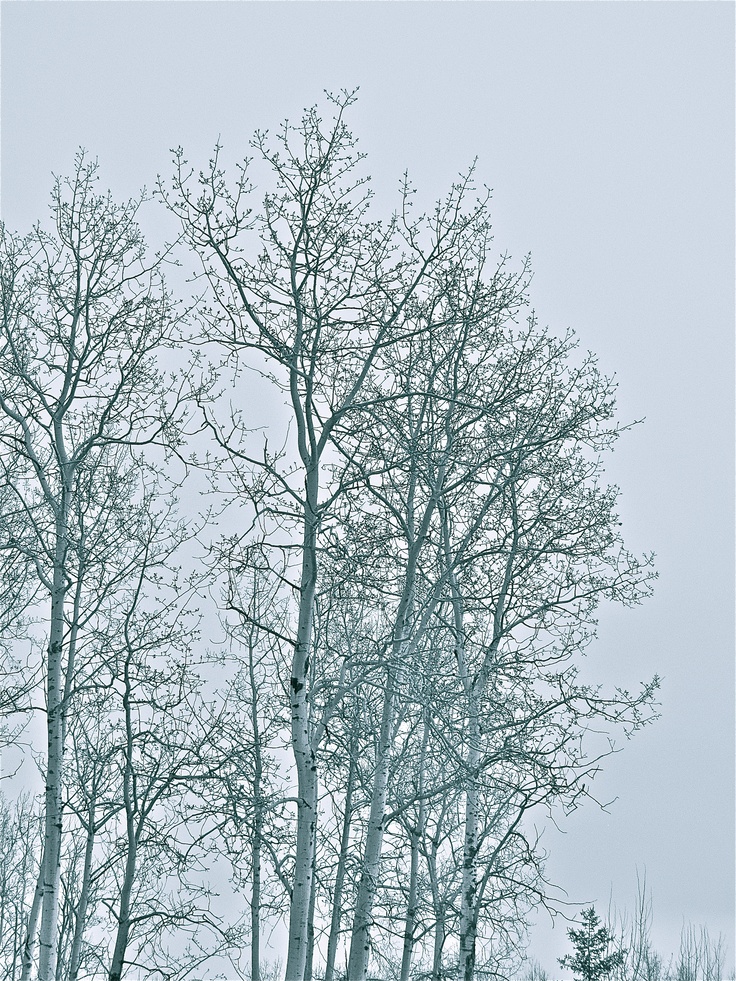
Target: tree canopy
{"x": 403, "y": 566}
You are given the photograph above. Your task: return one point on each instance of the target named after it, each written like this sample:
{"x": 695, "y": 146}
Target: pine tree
{"x": 590, "y": 961}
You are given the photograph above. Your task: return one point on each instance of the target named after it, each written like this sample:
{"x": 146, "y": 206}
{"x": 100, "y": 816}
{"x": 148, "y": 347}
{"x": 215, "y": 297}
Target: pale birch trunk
{"x": 340, "y": 874}
{"x": 131, "y": 810}
{"x": 255, "y": 906}
{"x": 416, "y": 836}
{"x": 438, "y": 906}
{"x": 309, "y": 966}
{"x": 255, "y": 903}
{"x": 411, "y": 907}
{"x": 29, "y": 944}
{"x": 363, "y": 918}
{"x": 473, "y": 687}
{"x": 124, "y": 924}
{"x": 302, "y": 746}
{"x": 469, "y": 885}
{"x": 469, "y": 888}
{"x": 55, "y": 749}
{"x": 81, "y": 911}
{"x": 438, "y": 945}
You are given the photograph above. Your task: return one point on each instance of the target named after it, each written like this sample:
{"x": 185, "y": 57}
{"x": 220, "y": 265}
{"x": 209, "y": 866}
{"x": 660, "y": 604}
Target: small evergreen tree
{"x": 590, "y": 961}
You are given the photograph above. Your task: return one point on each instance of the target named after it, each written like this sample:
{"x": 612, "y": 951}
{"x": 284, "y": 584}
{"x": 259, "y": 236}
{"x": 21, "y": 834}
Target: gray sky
{"x": 607, "y": 133}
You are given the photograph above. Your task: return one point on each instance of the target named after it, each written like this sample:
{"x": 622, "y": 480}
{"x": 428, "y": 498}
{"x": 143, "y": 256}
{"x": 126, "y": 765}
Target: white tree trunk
{"x": 55, "y": 754}
{"x": 124, "y": 921}
{"x": 340, "y": 874}
{"x": 82, "y": 903}
{"x": 468, "y": 896}
{"x": 411, "y": 906}
{"x": 303, "y": 749}
{"x": 416, "y": 836}
{"x": 132, "y": 831}
{"x": 309, "y": 966}
{"x": 363, "y": 918}
{"x": 29, "y": 944}
{"x": 438, "y": 945}
{"x": 255, "y": 901}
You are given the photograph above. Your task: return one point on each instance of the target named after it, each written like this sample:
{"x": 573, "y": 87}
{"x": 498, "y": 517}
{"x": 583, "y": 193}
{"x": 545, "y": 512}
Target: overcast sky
{"x": 606, "y": 130}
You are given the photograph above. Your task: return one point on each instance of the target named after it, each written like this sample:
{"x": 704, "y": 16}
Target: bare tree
{"x": 439, "y": 461}
{"x": 311, "y": 303}
{"x": 145, "y": 749}
{"x": 550, "y": 556}
{"x": 423, "y": 538}
{"x": 254, "y": 612}
{"x": 83, "y": 318}
{"x": 20, "y": 842}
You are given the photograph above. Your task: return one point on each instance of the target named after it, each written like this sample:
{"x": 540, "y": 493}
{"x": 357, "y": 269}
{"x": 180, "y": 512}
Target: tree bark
{"x": 469, "y": 889}
{"x": 438, "y": 906}
{"x": 81, "y": 910}
{"x": 309, "y": 966}
{"x": 55, "y": 754}
{"x": 472, "y": 689}
{"x": 438, "y": 946}
{"x": 411, "y": 907}
{"x": 124, "y": 923}
{"x": 340, "y": 874}
{"x": 363, "y": 918}
{"x": 255, "y": 903}
{"x": 131, "y": 811}
{"x": 303, "y": 749}
{"x": 416, "y": 836}
{"x": 32, "y": 927}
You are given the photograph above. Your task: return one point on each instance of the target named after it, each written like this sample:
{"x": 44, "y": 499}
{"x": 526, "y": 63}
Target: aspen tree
{"x": 309, "y": 291}
{"x": 83, "y": 317}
